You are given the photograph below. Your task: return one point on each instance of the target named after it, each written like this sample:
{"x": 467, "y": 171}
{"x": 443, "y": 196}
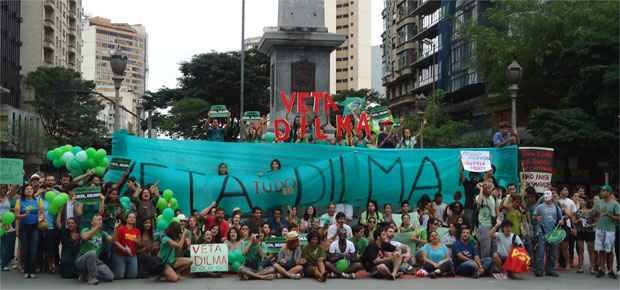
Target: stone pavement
{"x": 12, "y": 280}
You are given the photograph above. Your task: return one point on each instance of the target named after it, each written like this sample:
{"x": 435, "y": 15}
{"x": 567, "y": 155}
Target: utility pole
{"x": 241, "y": 93}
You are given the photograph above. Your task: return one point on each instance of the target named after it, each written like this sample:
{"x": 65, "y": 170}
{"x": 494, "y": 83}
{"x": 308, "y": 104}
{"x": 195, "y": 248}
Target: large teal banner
{"x": 310, "y": 175}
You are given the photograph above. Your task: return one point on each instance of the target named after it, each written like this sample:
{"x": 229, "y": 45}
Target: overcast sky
{"x": 179, "y": 29}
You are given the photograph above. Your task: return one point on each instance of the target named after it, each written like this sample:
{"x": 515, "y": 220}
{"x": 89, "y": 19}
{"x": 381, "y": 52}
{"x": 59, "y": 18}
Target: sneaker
{"x": 6, "y": 269}
{"x": 612, "y": 275}
{"x": 346, "y": 276}
{"x": 32, "y": 276}
{"x": 580, "y": 270}
{"x": 26, "y": 276}
{"x": 538, "y": 274}
{"x": 93, "y": 281}
{"x": 352, "y": 276}
{"x": 600, "y": 274}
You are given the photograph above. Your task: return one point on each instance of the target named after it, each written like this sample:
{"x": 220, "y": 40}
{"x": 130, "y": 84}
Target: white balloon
{"x": 81, "y": 156}
{"x": 68, "y": 156}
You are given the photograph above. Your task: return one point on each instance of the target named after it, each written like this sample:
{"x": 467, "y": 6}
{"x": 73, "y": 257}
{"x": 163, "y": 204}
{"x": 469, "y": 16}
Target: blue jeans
{"x": 29, "y": 246}
{"x": 124, "y": 266}
{"x": 545, "y": 249}
{"x": 7, "y": 249}
{"x": 468, "y": 269}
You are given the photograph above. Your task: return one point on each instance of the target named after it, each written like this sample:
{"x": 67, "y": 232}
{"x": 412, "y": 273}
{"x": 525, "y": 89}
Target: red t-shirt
{"x": 127, "y": 237}
{"x": 211, "y": 220}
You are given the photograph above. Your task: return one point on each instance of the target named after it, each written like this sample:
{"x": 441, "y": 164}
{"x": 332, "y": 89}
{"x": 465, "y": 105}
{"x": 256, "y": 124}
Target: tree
{"x": 370, "y": 95}
{"x": 440, "y": 130}
{"x": 569, "y": 54}
{"x": 187, "y": 119}
{"x": 68, "y": 111}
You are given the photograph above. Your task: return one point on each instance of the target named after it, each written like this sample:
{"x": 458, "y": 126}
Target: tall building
{"x": 101, "y": 37}
{"x": 10, "y": 22}
{"x": 423, "y": 51}
{"x": 51, "y": 34}
{"x": 252, "y": 42}
{"x": 377, "y": 71}
{"x": 351, "y": 62}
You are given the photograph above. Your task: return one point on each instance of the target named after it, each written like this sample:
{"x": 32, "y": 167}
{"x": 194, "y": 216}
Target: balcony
{"x": 408, "y": 99}
{"x": 49, "y": 43}
{"x": 50, "y": 3}
{"x": 427, "y": 6}
{"x": 49, "y": 22}
{"x": 72, "y": 29}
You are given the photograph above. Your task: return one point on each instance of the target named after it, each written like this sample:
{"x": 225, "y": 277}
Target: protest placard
{"x": 11, "y": 171}
{"x": 209, "y": 258}
{"x": 87, "y": 194}
{"x": 476, "y": 161}
{"x": 536, "y": 167}
{"x": 120, "y": 163}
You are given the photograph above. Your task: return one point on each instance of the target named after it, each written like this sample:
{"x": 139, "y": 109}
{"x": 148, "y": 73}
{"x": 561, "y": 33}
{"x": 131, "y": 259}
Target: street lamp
{"x": 513, "y": 74}
{"x": 118, "y": 62}
{"x": 420, "y": 103}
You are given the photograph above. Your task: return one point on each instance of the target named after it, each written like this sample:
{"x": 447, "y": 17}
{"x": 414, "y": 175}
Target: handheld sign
{"x": 476, "y": 161}
{"x": 537, "y": 167}
{"x": 87, "y": 194}
{"x": 218, "y": 111}
{"x": 251, "y": 116}
{"x": 120, "y": 163}
{"x": 209, "y": 258}
{"x": 11, "y": 171}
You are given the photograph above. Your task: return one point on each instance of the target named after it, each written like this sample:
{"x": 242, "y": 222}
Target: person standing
{"x": 7, "y": 242}
{"x": 28, "y": 210}
{"x": 607, "y": 214}
{"x": 487, "y": 213}
{"x": 569, "y": 208}
{"x": 548, "y": 216}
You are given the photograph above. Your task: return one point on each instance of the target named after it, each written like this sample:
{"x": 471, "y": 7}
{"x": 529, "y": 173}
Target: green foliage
{"x": 67, "y": 109}
{"x": 569, "y": 54}
{"x": 440, "y": 130}
{"x": 210, "y": 79}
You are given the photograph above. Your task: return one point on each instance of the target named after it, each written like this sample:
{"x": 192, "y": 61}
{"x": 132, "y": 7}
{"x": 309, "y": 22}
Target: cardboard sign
{"x": 87, "y": 194}
{"x": 251, "y": 116}
{"x": 120, "y": 163}
{"x": 536, "y": 167}
{"x": 274, "y": 244}
{"x": 476, "y": 161}
{"x": 11, "y": 171}
{"x": 218, "y": 111}
{"x": 209, "y": 258}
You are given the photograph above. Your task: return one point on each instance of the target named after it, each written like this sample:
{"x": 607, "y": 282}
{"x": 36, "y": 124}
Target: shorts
{"x": 587, "y": 236}
{"x": 604, "y": 241}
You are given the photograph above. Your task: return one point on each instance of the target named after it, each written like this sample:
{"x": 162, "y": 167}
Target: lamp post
{"x": 420, "y": 103}
{"x": 513, "y": 74}
{"x": 118, "y": 62}
{"x": 242, "y": 85}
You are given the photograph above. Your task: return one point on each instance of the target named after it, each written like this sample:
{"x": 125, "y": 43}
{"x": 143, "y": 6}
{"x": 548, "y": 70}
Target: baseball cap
{"x": 548, "y": 195}
{"x": 607, "y": 188}
{"x": 35, "y": 176}
{"x": 182, "y": 217}
{"x": 291, "y": 236}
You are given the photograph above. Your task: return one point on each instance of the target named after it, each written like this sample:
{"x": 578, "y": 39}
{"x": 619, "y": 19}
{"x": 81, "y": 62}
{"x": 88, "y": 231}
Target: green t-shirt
{"x": 313, "y": 254}
{"x": 94, "y": 244}
{"x": 88, "y": 211}
{"x": 605, "y": 223}
{"x": 486, "y": 213}
{"x": 360, "y": 246}
{"x": 515, "y": 217}
{"x": 167, "y": 253}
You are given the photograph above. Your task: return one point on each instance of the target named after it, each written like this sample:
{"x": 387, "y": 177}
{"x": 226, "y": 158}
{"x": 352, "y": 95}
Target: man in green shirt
{"x": 607, "y": 211}
{"x": 88, "y": 265}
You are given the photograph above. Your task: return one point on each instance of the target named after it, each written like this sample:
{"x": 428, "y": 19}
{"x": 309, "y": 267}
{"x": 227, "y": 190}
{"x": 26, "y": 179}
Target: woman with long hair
{"x": 275, "y": 165}
{"x": 235, "y": 221}
{"x": 146, "y": 210}
{"x": 585, "y": 236}
{"x": 233, "y": 240}
{"x": 147, "y": 246}
{"x": 222, "y": 169}
{"x": 371, "y": 227}
{"x": 7, "y": 242}
{"x": 195, "y": 231}
{"x": 307, "y": 219}
{"x": 371, "y": 211}
{"x": 174, "y": 240}
{"x": 124, "y": 258}
{"x": 70, "y": 240}
{"x": 244, "y": 232}
{"x": 28, "y": 210}
{"x": 435, "y": 257}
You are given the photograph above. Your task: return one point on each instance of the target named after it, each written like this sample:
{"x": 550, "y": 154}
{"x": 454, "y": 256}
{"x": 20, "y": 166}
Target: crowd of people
{"x": 105, "y": 241}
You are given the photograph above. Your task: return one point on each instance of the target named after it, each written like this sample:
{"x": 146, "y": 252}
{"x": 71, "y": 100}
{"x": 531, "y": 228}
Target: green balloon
{"x": 51, "y": 155}
{"x": 2, "y": 231}
{"x": 49, "y": 196}
{"x": 91, "y": 152}
{"x": 125, "y": 202}
{"x": 103, "y": 162}
{"x": 58, "y": 152}
{"x": 58, "y": 162}
{"x": 8, "y": 218}
{"x": 58, "y": 202}
{"x": 162, "y": 225}
{"x": 175, "y": 220}
{"x": 74, "y": 164}
{"x": 91, "y": 163}
{"x": 269, "y": 137}
{"x": 100, "y": 154}
{"x": 67, "y": 148}
{"x": 168, "y": 194}
{"x": 64, "y": 196}
{"x": 162, "y": 204}
{"x": 168, "y": 214}
{"x": 76, "y": 149}
{"x": 99, "y": 171}
{"x": 174, "y": 204}
{"x": 342, "y": 265}
{"x": 53, "y": 209}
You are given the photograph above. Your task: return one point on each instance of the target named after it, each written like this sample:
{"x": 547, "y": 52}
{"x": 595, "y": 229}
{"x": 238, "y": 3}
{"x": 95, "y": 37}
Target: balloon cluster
{"x": 235, "y": 259}
{"x": 269, "y": 137}
{"x": 56, "y": 201}
{"x": 7, "y": 219}
{"x": 167, "y": 204}
{"x": 125, "y": 203}
{"x": 78, "y": 161}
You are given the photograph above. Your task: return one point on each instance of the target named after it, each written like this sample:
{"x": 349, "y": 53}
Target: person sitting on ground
{"x": 329, "y": 217}
{"x": 382, "y": 259}
{"x": 343, "y": 249}
{"x": 437, "y": 262}
{"x": 88, "y": 265}
{"x": 420, "y": 236}
{"x": 313, "y": 258}
{"x": 406, "y": 226}
{"x": 289, "y": 263}
{"x": 256, "y": 264}
{"x": 371, "y": 228}
{"x": 371, "y": 212}
{"x": 340, "y": 224}
{"x": 359, "y": 241}
{"x": 466, "y": 258}
{"x": 255, "y": 222}
{"x": 173, "y": 241}
{"x": 504, "y": 241}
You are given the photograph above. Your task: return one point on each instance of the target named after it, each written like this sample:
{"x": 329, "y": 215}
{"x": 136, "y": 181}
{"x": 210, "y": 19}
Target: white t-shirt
{"x": 440, "y": 210}
{"x": 335, "y": 249}
{"x": 568, "y": 203}
{"x": 504, "y": 243}
{"x": 332, "y": 231}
